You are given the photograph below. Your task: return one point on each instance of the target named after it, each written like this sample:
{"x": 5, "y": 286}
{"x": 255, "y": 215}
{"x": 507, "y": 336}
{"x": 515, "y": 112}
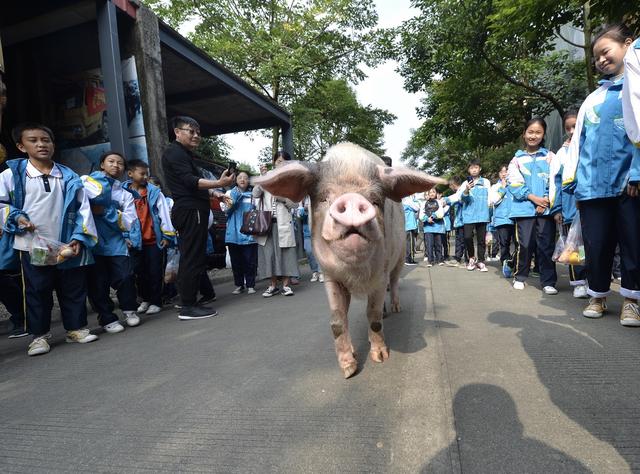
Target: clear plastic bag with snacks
{"x": 559, "y": 248}
{"x": 45, "y": 251}
{"x": 171, "y": 270}
{"x": 573, "y": 252}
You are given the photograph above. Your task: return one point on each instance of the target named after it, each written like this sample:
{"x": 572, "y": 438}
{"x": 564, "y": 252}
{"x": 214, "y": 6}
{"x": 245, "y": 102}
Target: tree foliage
{"x": 487, "y": 66}
{"x": 330, "y": 113}
{"x": 283, "y": 47}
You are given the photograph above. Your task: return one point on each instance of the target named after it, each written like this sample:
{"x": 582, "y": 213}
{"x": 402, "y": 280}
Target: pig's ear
{"x": 294, "y": 180}
{"x": 401, "y": 182}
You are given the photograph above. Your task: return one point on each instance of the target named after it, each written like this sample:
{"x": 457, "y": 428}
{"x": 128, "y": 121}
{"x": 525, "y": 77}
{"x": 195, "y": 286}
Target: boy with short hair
{"x": 49, "y": 198}
{"x": 474, "y": 195}
{"x": 458, "y": 225}
{"x": 151, "y": 235}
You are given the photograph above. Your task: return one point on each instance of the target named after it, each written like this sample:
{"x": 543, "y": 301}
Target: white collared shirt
{"x": 43, "y": 202}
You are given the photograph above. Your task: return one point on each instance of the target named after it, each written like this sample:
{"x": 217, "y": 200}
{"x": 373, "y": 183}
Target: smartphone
{"x": 469, "y": 179}
{"x": 232, "y": 167}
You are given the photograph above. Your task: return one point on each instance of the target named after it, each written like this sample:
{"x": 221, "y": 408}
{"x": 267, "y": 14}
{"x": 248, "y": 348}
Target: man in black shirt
{"x": 190, "y": 213}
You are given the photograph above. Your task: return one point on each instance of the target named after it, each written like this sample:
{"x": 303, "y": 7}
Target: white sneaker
{"x": 251, "y": 291}
{"x": 114, "y": 327}
{"x": 550, "y": 290}
{"x": 144, "y": 306}
{"x": 314, "y": 277}
{"x": 580, "y": 291}
{"x": 472, "y": 264}
{"x": 429, "y": 264}
{"x": 238, "y": 290}
{"x": 39, "y": 345}
{"x": 153, "y": 309}
{"x": 131, "y": 318}
{"x": 518, "y": 285}
{"x": 287, "y": 291}
{"x": 321, "y": 277}
{"x": 425, "y": 259}
{"x": 81, "y": 336}
{"x": 482, "y": 267}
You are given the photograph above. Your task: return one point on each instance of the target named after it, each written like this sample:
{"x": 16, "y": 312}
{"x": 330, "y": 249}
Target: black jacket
{"x": 181, "y": 177}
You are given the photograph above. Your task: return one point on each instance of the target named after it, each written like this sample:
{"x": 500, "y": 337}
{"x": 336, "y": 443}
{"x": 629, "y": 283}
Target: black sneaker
{"x": 17, "y": 332}
{"x": 205, "y": 299}
{"x": 196, "y": 312}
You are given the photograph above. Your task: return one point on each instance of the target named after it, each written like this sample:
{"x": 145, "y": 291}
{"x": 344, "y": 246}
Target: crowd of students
{"x": 84, "y": 236}
{"x": 595, "y": 174}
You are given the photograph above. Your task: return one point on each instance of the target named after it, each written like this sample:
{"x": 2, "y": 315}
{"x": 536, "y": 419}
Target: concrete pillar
{"x": 112, "y": 76}
{"x": 287, "y": 139}
{"x": 146, "y": 48}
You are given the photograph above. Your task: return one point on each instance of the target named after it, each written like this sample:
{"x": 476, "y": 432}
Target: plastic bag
{"x": 559, "y": 248}
{"x": 171, "y": 270}
{"x": 573, "y": 253}
{"x": 45, "y": 251}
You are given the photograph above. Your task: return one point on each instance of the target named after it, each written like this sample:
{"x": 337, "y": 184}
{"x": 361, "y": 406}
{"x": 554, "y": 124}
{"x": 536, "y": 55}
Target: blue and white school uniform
{"x": 243, "y": 249}
{"x": 475, "y": 214}
{"x": 57, "y": 204}
{"x": 501, "y": 201}
{"x": 566, "y": 201}
{"x": 434, "y": 230}
{"x": 631, "y": 93}
{"x": 529, "y": 173}
{"x": 601, "y": 161}
{"x": 411, "y": 207}
{"x": 113, "y": 267}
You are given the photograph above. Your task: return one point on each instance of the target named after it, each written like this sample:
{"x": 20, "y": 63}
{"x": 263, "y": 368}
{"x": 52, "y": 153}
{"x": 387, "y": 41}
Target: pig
{"x": 358, "y": 233}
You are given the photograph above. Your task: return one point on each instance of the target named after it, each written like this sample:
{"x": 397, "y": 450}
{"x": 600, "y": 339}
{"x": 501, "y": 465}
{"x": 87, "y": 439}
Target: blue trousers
{"x": 244, "y": 263}
{"x": 111, "y": 272}
{"x": 605, "y": 223}
{"x": 460, "y": 245}
{"x": 308, "y": 249}
{"x": 148, "y": 266}
{"x": 71, "y": 290}
{"x": 540, "y": 233}
{"x": 11, "y": 296}
{"x": 433, "y": 244}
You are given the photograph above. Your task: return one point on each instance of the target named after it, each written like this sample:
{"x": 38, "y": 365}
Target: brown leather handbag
{"x": 256, "y": 221}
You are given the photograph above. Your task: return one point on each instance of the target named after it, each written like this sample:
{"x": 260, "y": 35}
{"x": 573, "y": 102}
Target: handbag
{"x": 256, "y": 221}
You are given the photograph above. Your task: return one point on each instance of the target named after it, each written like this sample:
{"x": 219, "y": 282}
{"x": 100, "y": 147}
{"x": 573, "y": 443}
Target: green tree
{"x": 330, "y": 113}
{"x": 283, "y": 47}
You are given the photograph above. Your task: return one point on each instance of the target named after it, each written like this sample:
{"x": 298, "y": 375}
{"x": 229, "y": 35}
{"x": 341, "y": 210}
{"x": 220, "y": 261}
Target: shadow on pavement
{"x": 591, "y": 369}
{"x": 491, "y": 435}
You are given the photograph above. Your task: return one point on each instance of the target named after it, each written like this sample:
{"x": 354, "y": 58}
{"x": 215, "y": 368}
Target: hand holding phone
{"x": 232, "y": 167}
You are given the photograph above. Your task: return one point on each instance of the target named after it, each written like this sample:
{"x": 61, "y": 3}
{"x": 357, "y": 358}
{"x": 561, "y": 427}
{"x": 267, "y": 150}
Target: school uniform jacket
{"x": 476, "y": 204}
{"x": 631, "y": 93}
{"x": 565, "y": 200}
{"x": 529, "y": 174}
{"x": 160, "y": 216}
{"x": 601, "y": 158}
{"x": 501, "y": 200}
{"x": 118, "y": 216}
{"x": 241, "y": 202}
{"x": 77, "y": 221}
{"x": 411, "y": 207}
{"x": 438, "y": 224}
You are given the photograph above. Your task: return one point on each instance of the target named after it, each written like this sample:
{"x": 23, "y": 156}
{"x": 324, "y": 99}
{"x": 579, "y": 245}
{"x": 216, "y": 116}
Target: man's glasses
{"x": 190, "y": 131}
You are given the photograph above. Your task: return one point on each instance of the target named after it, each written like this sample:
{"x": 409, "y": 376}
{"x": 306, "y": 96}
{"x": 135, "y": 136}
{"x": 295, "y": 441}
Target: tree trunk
{"x": 275, "y": 135}
{"x": 588, "y": 53}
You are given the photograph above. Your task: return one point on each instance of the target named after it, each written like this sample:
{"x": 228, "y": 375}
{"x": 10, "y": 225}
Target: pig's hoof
{"x": 379, "y": 354}
{"x": 395, "y": 307}
{"x": 349, "y": 369}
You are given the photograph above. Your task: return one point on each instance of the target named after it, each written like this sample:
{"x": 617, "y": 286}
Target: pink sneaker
{"x": 471, "y": 266}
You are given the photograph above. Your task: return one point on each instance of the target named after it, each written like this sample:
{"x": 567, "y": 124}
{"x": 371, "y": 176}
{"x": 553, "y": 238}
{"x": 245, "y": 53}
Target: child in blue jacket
{"x": 114, "y": 213}
{"x": 433, "y": 215}
{"x": 458, "y": 226}
{"x": 474, "y": 195}
{"x": 411, "y": 208}
{"x": 501, "y": 200}
{"x": 528, "y": 181}
{"x": 150, "y": 235}
{"x": 48, "y": 199}
{"x": 11, "y": 281}
{"x": 603, "y": 171}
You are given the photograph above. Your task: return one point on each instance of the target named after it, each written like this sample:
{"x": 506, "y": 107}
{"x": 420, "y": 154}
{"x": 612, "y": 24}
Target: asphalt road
{"x": 481, "y": 379}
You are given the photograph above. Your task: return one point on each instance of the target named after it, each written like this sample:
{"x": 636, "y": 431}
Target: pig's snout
{"x": 352, "y": 210}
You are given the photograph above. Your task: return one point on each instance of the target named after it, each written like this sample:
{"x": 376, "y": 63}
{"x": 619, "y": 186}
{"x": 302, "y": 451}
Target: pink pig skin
{"x": 357, "y": 233}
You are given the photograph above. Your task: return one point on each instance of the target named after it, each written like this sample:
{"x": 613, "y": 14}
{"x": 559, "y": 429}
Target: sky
{"x": 383, "y": 88}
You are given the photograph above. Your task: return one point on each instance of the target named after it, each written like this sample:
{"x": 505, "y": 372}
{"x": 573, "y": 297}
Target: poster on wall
{"x": 82, "y": 123}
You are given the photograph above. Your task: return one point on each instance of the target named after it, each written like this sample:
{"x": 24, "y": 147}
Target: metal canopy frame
{"x": 196, "y": 56}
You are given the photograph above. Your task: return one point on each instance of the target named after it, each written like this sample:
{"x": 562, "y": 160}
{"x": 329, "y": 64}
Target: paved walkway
{"x": 481, "y": 379}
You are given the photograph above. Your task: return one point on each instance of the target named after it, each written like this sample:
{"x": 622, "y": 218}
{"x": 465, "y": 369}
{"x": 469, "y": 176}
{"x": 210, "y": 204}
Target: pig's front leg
{"x": 339, "y": 299}
{"x": 379, "y": 351}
